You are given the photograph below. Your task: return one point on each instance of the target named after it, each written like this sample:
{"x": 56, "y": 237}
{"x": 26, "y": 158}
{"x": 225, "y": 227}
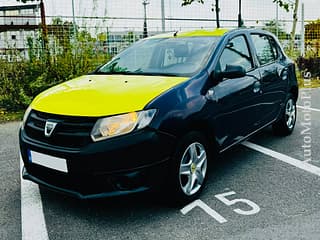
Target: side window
{"x": 275, "y": 48}
{"x": 236, "y": 52}
{"x": 266, "y": 52}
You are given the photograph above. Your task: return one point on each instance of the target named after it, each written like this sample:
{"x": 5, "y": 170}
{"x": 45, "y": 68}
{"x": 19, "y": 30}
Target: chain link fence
{"x": 35, "y": 56}
{"x": 108, "y": 26}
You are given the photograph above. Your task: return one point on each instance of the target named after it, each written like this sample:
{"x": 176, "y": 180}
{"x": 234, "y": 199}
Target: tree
{"x": 312, "y": 31}
{"x": 294, "y": 25}
{"x": 24, "y": 1}
{"x": 285, "y": 4}
{"x": 130, "y": 37}
{"x": 214, "y": 8}
{"x": 276, "y": 29}
{"x": 61, "y": 32}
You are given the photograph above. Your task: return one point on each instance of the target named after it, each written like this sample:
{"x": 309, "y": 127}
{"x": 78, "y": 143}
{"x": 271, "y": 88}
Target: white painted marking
{"x": 284, "y": 158}
{"x": 254, "y": 207}
{"x": 204, "y": 207}
{"x": 309, "y": 108}
{"x": 33, "y": 225}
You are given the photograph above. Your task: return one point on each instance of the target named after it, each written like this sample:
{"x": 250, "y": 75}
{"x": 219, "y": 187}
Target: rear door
{"x": 273, "y": 74}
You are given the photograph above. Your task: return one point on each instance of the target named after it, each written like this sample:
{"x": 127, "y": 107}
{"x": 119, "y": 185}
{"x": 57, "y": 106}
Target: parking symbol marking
{"x": 254, "y": 207}
{"x": 206, "y": 208}
{"x": 223, "y": 198}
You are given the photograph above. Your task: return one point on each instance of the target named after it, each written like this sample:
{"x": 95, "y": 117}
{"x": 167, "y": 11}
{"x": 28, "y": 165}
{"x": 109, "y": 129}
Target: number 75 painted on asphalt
{"x": 254, "y": 208}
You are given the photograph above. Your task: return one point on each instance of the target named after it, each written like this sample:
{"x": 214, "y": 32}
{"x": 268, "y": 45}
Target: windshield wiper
{"x": 161, "y": 74}
{"x": 137, "y": 73}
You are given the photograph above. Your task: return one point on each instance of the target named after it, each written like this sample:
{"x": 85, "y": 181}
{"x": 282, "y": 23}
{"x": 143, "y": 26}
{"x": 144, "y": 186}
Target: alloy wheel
{"x": 290, "y": 113}
{"x": 193, "y": 168}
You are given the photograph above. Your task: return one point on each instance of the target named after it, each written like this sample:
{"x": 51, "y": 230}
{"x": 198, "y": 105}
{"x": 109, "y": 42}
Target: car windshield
{"x": 162, "y": 56}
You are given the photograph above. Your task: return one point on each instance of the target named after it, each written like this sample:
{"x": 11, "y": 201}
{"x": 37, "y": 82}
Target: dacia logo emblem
{"x": 49, "y": 128}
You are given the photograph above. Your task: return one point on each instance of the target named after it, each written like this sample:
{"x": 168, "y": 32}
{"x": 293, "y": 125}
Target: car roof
{"x": 218, "y": 32}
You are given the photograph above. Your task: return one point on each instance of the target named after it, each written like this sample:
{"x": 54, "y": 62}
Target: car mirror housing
{"x": 215, "y": 77}
{"x": 233, "y": 71}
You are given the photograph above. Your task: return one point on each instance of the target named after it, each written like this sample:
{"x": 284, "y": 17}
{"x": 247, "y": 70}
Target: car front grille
{"x": 70, "y": 131}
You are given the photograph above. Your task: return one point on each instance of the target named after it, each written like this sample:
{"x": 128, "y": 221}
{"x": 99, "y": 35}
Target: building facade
{"x": 17, "y": 24}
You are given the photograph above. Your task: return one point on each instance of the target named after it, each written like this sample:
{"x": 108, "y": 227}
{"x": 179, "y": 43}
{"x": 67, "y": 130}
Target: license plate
{"x": 59, "y": 164}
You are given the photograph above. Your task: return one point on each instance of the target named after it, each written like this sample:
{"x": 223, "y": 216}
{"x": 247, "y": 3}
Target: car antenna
{"x": 175, "y": 33}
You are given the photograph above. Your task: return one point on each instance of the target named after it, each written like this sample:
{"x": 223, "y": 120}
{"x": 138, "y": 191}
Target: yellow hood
{"x": 102, "y": 95}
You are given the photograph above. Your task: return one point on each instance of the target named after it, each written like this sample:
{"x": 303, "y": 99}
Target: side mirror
{"x": 233, "y": 71}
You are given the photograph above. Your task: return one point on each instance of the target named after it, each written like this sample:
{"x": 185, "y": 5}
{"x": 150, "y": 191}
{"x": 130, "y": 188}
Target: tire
{"x": 188, "y": 169}
{"x": 285, "y": 125}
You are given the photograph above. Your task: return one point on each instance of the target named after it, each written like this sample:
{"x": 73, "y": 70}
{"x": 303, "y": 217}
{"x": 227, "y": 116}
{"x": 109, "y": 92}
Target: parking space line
{"x": 284, "y": 158}
{"x": 308, "y": 108}
{"x": 33, "y": 225}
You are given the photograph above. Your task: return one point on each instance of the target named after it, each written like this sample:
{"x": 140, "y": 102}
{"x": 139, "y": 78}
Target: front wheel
{"x": 285, "y": 125}
{"x": 189, "y": 168}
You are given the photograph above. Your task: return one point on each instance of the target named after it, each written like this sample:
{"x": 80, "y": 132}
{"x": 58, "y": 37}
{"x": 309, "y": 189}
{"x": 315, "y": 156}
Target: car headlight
{"x": 25, "y": 117}
{"x": 109, "y": 127}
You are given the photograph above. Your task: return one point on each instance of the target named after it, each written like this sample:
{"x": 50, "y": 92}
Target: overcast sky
{"x": 255, "y": 10}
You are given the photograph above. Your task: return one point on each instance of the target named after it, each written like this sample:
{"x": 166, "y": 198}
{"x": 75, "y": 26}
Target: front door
{"x": 235, "y": 99}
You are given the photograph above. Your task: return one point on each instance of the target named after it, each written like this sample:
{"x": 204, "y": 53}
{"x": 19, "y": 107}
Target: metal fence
{"x": 106, "y": 27}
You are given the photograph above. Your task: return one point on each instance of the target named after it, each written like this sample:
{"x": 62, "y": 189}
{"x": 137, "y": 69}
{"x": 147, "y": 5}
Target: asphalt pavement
{"x": 249, "y": 195}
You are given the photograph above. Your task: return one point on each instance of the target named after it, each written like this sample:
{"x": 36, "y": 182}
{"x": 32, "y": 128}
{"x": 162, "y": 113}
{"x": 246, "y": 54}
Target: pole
{"x": 302, "y": 31}
{"x": 239, "y": 16}
{"x": 217, "y": 13}
{"x": 145, "y": 29}
{"x": 74, "y": 21}
{"x": 277, "y": 20}
{"x": 163, "y": 16}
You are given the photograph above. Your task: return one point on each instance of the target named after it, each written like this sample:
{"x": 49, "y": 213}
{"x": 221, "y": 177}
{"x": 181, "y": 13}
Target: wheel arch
{"x": 295, "y": 92}
{"x": 207, "y": 132}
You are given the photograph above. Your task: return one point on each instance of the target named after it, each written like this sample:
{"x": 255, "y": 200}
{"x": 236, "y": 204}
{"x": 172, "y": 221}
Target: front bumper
{"x": 127, "y": 164}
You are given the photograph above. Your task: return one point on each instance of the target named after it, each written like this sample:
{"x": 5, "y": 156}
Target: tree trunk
{"x": 44, "y": 31}
{"x": 294, "y": 25}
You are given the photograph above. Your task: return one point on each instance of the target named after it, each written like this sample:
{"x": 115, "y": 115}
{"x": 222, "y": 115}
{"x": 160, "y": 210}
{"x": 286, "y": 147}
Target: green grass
{"x": 313, "y": 83}
{"x": 10, "y": 116}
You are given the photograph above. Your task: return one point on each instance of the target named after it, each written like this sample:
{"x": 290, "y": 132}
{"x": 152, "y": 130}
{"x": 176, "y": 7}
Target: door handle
{"x": 211, "y": 95}
{"x": 257, "y": 87}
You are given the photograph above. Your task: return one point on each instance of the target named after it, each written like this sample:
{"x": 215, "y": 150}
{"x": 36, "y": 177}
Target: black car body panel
{"x": 225, "y": 110}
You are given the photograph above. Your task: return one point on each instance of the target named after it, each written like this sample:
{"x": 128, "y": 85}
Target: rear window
{"x": 265, "y": 48}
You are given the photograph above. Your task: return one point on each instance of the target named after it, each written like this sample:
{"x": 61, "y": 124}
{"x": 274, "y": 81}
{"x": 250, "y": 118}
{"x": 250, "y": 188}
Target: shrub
{"x": 13, "y": 85}
{"x": 21, "y": 80}
{"x": 311, "y": 64}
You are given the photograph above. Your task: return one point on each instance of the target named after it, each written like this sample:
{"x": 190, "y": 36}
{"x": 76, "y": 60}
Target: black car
{"x": 151, "y": 117}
